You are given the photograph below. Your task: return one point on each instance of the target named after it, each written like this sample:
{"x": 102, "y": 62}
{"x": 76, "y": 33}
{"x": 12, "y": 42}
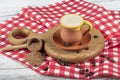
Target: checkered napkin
{"x": 41, "y": 19}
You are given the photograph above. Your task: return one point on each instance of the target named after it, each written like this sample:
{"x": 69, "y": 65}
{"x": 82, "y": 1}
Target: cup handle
{"x": 86, "y": 22}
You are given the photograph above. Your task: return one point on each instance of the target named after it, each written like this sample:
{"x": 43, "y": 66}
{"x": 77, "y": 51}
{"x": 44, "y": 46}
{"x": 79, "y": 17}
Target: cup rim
{"x": 76, "y": 27}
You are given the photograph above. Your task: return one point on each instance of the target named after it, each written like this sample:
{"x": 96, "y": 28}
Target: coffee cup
{"x": 71, "y": 28}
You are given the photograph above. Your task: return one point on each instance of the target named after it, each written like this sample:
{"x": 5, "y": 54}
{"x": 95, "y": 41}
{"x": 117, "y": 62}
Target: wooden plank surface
{"x": 12, "y": 70}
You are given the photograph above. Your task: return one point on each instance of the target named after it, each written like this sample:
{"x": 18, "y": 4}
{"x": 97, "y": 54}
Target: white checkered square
{"x": 57, "y": 71}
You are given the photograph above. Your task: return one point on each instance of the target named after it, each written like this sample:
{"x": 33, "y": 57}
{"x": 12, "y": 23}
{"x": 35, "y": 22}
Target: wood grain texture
{"x": 12, "y": 70}
{"x": 73, "y": 56}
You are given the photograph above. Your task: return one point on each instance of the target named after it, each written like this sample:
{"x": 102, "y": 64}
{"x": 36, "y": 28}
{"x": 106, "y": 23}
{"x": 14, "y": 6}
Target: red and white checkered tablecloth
{"x": 41, "y": 19}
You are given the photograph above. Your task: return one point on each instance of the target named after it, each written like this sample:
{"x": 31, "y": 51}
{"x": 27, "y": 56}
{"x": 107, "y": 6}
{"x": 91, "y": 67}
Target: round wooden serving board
{"x": 94, "y": 48}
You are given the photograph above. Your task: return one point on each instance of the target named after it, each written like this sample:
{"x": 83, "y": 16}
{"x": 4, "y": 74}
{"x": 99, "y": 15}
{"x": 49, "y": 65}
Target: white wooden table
{"x": 12, "y": 70}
